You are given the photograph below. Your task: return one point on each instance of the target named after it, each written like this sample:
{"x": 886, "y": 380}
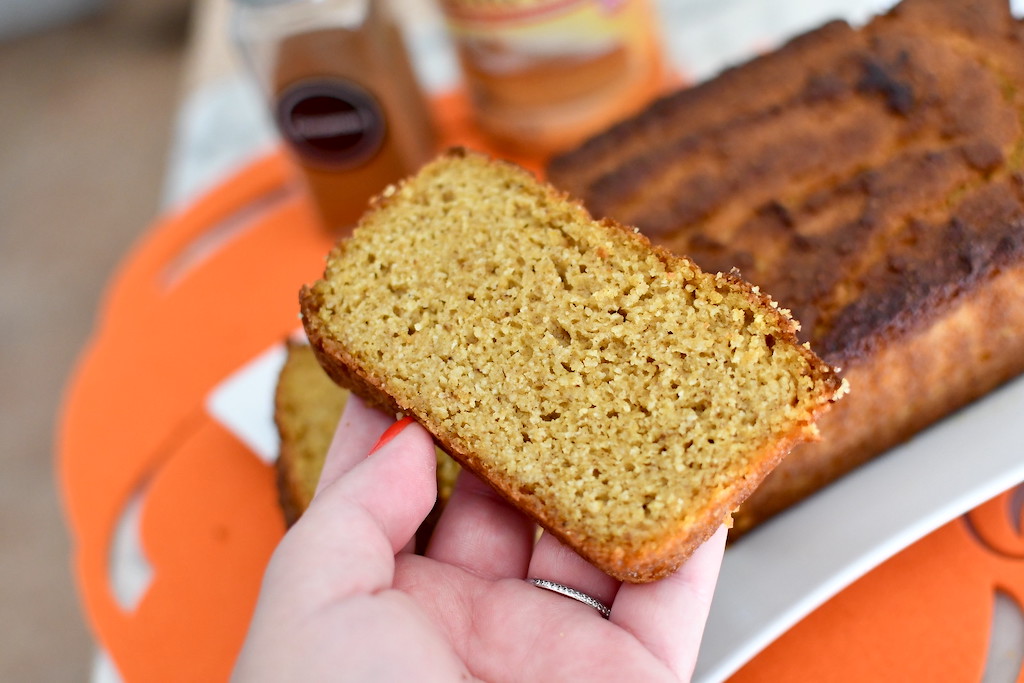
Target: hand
{"x": 345, "y": 598}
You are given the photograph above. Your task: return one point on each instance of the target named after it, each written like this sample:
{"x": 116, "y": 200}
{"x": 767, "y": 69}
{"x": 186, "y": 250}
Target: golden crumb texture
{"x": 621, "y": 397}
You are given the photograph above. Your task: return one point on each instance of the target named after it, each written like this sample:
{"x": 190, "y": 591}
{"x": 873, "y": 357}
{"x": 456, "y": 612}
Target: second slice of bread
{"x": 621, "y": 397}
{"x": 307, "y": 409}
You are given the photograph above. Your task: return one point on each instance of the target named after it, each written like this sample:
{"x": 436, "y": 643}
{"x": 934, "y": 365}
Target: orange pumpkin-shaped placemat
{"x": 209, "y": 289}
{"x": 205, "y": 291}
{"x": 925, "y": 615}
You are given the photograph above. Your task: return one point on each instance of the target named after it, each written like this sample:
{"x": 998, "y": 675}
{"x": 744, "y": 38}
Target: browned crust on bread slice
{"x": 290, "y": 491}
{"x": 294, "y": 493}
{"x": 289, "y": 495}
{"x": 644, "y": 560}
{"x": 647, "y": 565}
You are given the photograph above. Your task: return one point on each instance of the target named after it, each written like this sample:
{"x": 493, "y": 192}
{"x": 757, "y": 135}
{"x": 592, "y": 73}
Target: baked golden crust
{"x": 871, "y": 180}
{"x": 972, "y": 348}
{"x": 307, "y": 407}
{"x": 368, "y": 280}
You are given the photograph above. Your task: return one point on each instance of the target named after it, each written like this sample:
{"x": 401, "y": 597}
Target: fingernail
{"x": 390, "y": 433}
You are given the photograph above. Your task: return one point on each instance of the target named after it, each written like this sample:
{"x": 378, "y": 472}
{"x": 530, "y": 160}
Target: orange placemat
{"x": 210, "y": 288}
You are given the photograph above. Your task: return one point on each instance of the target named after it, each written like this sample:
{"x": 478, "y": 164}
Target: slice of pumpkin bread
{"x": 617, "y": 394}
{"x": 307, "y": 408}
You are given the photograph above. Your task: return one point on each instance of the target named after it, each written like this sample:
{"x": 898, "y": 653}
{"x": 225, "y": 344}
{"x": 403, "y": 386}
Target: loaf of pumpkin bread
{"x": 871, "y": 180}
{"x": 621, "y": 397}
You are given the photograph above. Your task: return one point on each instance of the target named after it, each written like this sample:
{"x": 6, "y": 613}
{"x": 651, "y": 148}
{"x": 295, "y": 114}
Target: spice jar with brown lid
{"x": 342, "y": 94}
{"x": 544, "y": 74}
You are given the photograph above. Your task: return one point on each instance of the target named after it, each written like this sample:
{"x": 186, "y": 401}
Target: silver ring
{"x": 579, "y": 596}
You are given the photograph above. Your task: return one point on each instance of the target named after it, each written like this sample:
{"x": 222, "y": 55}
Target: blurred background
{"x": 92, "y": 102}
{"x": 89, "y": 93}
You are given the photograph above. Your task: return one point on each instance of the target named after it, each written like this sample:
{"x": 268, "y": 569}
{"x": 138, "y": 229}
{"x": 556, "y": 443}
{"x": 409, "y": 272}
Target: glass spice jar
{"x": 544, "y": 74}
{"x": 342, "y": 94}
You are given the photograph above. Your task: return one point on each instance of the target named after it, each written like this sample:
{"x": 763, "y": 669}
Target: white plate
{"x": 244, "y": 403}
{"x": 790, "y": 565}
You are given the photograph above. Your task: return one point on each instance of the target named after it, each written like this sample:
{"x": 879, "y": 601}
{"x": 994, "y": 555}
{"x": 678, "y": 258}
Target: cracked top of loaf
{"x": 864, "y": 177}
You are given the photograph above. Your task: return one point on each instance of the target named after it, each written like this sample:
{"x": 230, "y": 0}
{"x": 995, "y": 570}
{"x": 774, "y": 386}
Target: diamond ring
{"x": 572, "y": 593}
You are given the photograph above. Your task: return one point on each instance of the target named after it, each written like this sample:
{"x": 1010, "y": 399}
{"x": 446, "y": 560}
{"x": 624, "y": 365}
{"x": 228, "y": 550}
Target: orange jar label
{"x": 543, "y": 74}
{"x": 521, "y": 10}
{"x": 500, "y": 29}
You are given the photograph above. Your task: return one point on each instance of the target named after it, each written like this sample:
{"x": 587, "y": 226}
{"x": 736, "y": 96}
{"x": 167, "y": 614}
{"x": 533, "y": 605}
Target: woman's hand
{"x": 345, "y": 598}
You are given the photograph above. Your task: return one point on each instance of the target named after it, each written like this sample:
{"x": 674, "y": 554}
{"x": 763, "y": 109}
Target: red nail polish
{"x": 390, "y": 433}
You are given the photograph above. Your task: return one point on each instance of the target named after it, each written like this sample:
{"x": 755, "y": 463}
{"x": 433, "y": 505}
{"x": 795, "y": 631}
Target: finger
{"x": 668, "y": 616}
{"x": 481, "y": 533}
{"x": 510, "y": 630}
{"x": 357, "y": 431}
{"x": 554, "y": 561}
{"x": 345, "y": 543}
